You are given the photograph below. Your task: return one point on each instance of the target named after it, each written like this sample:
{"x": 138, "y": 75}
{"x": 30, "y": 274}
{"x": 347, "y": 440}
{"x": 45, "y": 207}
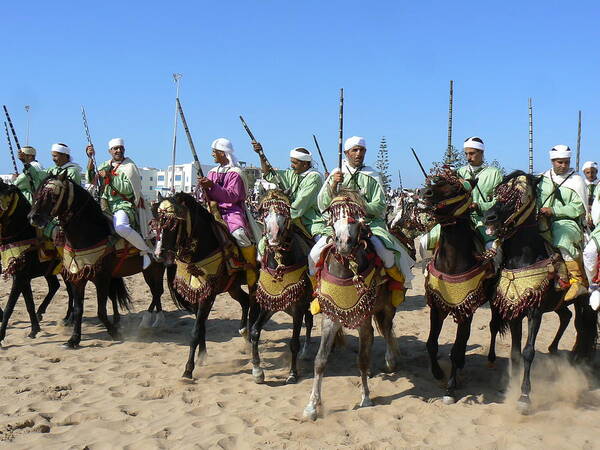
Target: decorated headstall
{"x": 8, "y": 204}
{"x": 348, "y": 205}
{"x": 169, "y": 215}
{"x": 57, "y": 192}
{"x": 275, "y": 200}
{"x": 517, "y": 196}
{"x": 447, "y": 210}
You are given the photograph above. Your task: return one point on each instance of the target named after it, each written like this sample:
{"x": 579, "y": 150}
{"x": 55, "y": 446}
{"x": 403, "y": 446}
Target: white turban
{"x": 590, "y": 165}
{"x": 354, "y": 141}
{"x": 224, "y": 145}
{"x": 301, "y": 156}
{"x": 61, "y": 148}
{"x": 116, "y": 142}
{"x": 27, "y": 150}
{"x": 560, "y": 151}
{"x": 472, "y": 143}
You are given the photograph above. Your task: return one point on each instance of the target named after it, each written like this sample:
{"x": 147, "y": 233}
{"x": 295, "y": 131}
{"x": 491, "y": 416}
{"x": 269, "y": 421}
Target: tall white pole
{"x": 176, "y": 78}
{"x": 530, "y": 137}
{"x": 27, "y": 108}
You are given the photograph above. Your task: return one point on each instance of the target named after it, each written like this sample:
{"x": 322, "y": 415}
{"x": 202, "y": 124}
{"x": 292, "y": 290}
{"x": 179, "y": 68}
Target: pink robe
{"x": 229, "y": 191}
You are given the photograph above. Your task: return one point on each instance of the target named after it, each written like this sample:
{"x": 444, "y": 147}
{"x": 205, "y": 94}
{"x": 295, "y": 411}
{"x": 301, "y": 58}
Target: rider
{"x": 121, "y": 196}
{"x": 590, "y": 253}
{"x": 590, "y": 170}
{"x": 33, "y": 173}
{"x": 487, "y": 177}
{"x": 61, "y": 155}
{"x": 226, "y": 185}
{"x": 302, "y": 183}
{"x": 562, "y": 201}
{"x": 355, "y": 175}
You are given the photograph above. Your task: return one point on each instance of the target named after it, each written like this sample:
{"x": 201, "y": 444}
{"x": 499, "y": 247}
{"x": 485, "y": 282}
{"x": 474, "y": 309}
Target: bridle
{"x": 516, "y": 191}
{"x": 168, "y": 218}
{"x": 459, "y": 203}
{"x": 346, "y": 206}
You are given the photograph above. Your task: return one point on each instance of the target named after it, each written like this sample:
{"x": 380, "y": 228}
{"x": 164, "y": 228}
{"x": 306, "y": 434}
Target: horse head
{"x": 515, "y": 202}
{"x": 347, "y": 214}
{"x": 275, "y": 210}
{"x": 53, "y": 198}
{"x": 447, "y": 195}
{"x": 9, "y": 195}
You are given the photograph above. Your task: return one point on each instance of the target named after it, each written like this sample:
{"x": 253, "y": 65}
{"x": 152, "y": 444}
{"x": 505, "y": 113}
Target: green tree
{"x": 383, "y": 165}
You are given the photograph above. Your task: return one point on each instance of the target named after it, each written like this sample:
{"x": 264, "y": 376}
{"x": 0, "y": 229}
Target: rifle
{"x": 400, "y": 181}
{"x": 449, "y": 150}
{"x": 419, "y": 162}
{"x": 93, "y": 158}
{"x": 12, "y": 129}
{"x": 530, "y": 137}
{"x": 578, "y": 142}
{"x": 320, "y": 154}
{"x": 556, "y": 187}
{"x": 10, "y": 148}
{"x": 341, "y": 134}
{"x": 189, "y": 138}
{"x": 261, "y": 154}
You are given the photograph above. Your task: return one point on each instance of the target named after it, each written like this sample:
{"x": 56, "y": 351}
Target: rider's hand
{"x": 14, "y": 176}
{"x": 102, "y": 173}
{"x": 90, "y": 151}
{"x": 257, "y": 147}
{"x": 473, "y": 206}
{"x": 546, "y": 211}
{"x": 337, "y": 178}
{"x": 205, "y": 183}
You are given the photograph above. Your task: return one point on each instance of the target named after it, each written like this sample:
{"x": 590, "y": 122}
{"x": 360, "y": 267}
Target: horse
{"x": 202, "y": 250}
{"x": 283, "y": 284}
{"x": 350, "y": 290}
{"x": 458, "y": 279}
{"x": 24, "y": 258}
{"x": 90, "y": 252}
{"x": 530, "y": 272}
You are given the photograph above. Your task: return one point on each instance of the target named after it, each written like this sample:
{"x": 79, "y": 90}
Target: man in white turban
{"x": 33, "y": 173}
{"x": 122, "y": 196}
{"x": 561, "y": 197}
{"x": 226, "y": 185}
{"x": 61, "y": 156}
{"x": 355, "y": 175}
{"x": 590, "y": 170}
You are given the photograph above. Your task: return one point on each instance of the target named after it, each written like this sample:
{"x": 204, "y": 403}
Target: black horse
{"x": 458, "y": 280}
{"x": 192, "y": 239}
{"x": 16, "y": 232}
{"x": 513, "y": 220}
{"x": 283, "y": 283}
{"x": 86, "y": 227}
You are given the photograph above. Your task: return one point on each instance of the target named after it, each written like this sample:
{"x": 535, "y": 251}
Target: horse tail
{"x": 117, "y": 290}
{"x": 339, "y": 341}
{"x": 178, "y": 299}
{"x": 497, "y": 323}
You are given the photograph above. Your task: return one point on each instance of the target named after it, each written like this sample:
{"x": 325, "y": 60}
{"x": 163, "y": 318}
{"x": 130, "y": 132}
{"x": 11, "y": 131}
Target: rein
{"x": 458, "y": 210}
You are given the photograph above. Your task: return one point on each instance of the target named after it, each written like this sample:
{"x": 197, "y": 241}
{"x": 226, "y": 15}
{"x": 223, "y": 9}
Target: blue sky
{"x": 280, "y": 64}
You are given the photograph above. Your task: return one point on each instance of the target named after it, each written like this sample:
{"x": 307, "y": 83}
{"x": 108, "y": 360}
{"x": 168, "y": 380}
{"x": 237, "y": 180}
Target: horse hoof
{"x": 187, "y": 376}
{"x": 244, "y": 333}
{"x": 310, "y": 413}
{"x": 33, "y": 333}
{"x": 553, "y": 350}
{"x": 524, "y": 405}
{"x": 390, "y": 367}
{"x": 146, "y": 321}
{"x": 291, "y": 379}
{"x": 259, "y": 375}
{"x": 366, "y": 402}
{"x": 160, "y": 320}
{"x": 448, "y": 400}
{"x": 70, "y": 345}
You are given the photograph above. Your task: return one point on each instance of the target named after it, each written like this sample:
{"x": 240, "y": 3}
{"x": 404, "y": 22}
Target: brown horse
{"x": 90, "y": 250}
{"x": 192, "y": 239}
{"x": 350, "y": 291}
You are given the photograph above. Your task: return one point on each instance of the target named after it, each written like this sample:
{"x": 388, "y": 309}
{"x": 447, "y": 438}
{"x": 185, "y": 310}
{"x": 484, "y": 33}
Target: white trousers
{"x": 387, "y": 256}
{"x": 123, "y": 229}
{"x": 590, "y": 260}
{"x": 241, "y": 237}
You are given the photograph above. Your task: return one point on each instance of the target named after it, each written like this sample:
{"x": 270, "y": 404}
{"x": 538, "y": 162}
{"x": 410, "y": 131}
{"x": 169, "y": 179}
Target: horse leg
{"x": 263, "y": 317}
{"x": 308, "y": 326}
{"x": 436, "y": 320}
{"x": 495, "y": 326}
{"x": 586, "y": 320}
{"x": 15, "y": 291}
{"x": 564, "y": 315}
{"x": 516, "y": 335}
{"x": 198, "y": 336}
{"x": 297, "y": 315}
{"x": 237, "y": 293}
{"x": 329, "y": 329}
{"x": 154, "y": 279}
{"x": 53, "y": 285}
{"x": 385, "y": 322}
{"x": 365, "y": 336}
{"x": 78, "y": 299}
{"x": 534, "y": 319}
{"x": 457, "y": 357}
{"x": 102, "y": 284}
{"x": 28, "y": 296}
{"x": 68, "y": 319}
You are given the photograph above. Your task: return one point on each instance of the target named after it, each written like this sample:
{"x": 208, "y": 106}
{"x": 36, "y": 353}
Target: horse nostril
{"x": 428, "y": 193}
{"x": 491, "y": 218}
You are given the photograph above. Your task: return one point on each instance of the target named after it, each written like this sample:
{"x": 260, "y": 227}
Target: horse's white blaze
{"x": 274, "y": 226}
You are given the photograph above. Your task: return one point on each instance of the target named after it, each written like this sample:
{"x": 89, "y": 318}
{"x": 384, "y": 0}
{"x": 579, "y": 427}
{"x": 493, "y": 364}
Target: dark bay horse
{"x": 529, "y": 285}
{"x": 193, "y": 240}
{"x": 90, "y": 253}
{"x": 20, "y": 243}
{"x": 351, "y": 290}
{"x": 283, "y": 283}
{"x": 458, "y": 280}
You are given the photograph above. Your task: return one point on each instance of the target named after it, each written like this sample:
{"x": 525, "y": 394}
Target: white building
{"x": 149, "y": 180}
{"x": 185, "y": 177}
{"x": 7, "y": 178}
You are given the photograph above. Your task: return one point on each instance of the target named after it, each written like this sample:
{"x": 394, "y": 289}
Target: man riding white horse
{"x": 355, "y": 175}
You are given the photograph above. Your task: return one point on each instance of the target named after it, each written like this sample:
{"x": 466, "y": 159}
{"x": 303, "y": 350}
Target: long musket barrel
{"x": 449, "y": 149}
{"x": 320, "y": 154}
{"x": 530, "y": 137}
{"x": 261, "y": 153}
{"x": 189, "y": 138}
{"x": 87, "y": 135}
{"x": 400, "y": 180}
{"x": 12, "y": 128}
{"x": 578, "y": 142}
{"x": 419, "y": 162}
{"x": 10, "y": 148}
{"x": 341, "y": 131}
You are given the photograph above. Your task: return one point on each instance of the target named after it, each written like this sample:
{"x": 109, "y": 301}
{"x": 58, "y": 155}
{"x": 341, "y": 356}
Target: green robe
{"x": 568, "y": 214}
{"x": 30, "y": 180}
{"x": 72, "y": 169}
{"x": 368, "y": 182}
{"x": 117, "y": 193}
{"x": 483, "y": 194}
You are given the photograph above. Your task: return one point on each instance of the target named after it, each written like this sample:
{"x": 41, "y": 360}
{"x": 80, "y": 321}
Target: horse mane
{"x": 194, "y": 207}
{"x": 511, "y": 191}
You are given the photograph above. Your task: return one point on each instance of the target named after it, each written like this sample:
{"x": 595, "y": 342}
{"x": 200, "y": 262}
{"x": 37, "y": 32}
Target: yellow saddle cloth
{"x": 197, "y": 281}
{"x": 278, "y": 289}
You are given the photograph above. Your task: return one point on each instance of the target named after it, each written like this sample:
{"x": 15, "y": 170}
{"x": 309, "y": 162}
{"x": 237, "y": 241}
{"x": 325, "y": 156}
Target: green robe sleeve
{"x": 572, "y": 208}
{"x": 306, "y": 195}
{"x": 375, "y": 197}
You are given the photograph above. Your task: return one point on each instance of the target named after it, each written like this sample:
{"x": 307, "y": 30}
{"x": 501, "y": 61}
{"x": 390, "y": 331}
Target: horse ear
{"x": 160, "y": 198}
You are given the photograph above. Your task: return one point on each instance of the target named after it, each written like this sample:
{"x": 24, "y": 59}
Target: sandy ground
{"x": 129, "y": 394}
